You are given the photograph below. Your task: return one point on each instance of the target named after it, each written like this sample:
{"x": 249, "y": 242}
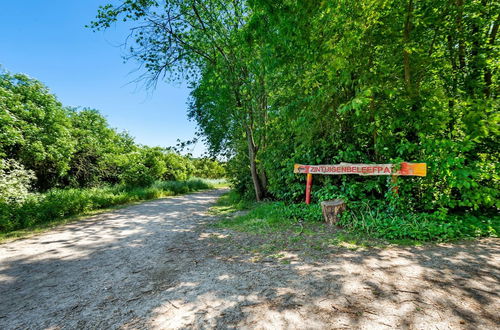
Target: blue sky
{"x": 47, "y": 40}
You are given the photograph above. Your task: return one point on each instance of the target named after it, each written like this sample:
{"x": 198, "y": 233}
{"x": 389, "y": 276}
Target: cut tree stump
{"x": 332, "y": 210}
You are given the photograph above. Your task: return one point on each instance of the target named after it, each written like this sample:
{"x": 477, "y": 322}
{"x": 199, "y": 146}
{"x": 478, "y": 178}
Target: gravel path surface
{"x": 159, "y": 265}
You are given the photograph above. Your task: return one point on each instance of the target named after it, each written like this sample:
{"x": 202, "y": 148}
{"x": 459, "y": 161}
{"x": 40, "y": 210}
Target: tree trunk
{"x": 406, "y": 40}
{"x": 487, "y": 71}
{"x": 252, "y": 153}
{"x": 461, "y": 45}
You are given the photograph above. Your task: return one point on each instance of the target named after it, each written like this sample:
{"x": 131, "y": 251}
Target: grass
{"x": 229, "y": 203}
{"x": 59, "y": 206}
{"x": 407, "y": 228}
{"x": 272, "y": 227}
{"x": 216, "y": 183}
{"x": 279, "y": 226}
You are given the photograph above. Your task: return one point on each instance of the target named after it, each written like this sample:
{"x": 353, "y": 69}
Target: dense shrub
{"x": 35, "y": 129}
{"x": 68, "y": 147}
{"x": 208, "y": 168}
{"x": 358, "y": 81}
{"x": 177, "y": 167}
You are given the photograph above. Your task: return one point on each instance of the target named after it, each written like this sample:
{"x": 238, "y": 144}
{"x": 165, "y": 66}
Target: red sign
{"x": 414, "y": 169}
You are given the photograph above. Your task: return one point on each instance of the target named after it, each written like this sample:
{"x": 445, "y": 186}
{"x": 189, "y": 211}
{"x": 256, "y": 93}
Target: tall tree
{"x": 35, "y": 129}
{"x": 188, "y": 39}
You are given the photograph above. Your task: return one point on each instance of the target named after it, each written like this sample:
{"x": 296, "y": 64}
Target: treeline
{"x": 44, "y": 145}
{"x": 323, "y": 82}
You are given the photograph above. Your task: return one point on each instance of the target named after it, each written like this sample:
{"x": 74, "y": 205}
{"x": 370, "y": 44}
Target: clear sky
{"x": 47, "y": 40}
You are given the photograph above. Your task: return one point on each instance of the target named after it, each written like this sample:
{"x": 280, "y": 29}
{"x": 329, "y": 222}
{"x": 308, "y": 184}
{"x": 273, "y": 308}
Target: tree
{"x": 35, "y": 129}
{"x": 189, "y": 39}
{"x": 357, "y": 81}
{"x": 95, "y": 141}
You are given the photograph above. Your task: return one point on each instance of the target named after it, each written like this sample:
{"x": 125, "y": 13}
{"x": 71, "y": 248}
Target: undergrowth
{"x": 393, "y": 225}
{"x": 361, "y": 222}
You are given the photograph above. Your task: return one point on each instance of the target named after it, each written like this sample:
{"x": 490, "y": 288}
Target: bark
{"x": 406, "y": 39}
{"x": 461, "y": 45}
{"x": 452, "y": 54}
{"x": 375, "y": 133}
{"x": 488, "y": 76}
{"x": 454, "y": 67}
{"x": 252, "y": 155}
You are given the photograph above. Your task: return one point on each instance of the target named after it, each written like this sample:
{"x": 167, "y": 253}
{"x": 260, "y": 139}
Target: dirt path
{"x": 158, "y": 265}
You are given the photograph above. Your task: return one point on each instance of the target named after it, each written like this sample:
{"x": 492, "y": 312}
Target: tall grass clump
{"x": 379, "y": 222}
{"x": 57, "y": 204}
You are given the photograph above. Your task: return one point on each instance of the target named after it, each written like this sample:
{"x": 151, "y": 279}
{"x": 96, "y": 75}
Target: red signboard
{"x": 413, "y": 169}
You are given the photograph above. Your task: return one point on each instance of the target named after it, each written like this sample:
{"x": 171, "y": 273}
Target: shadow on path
{"x": 156, "y": 265}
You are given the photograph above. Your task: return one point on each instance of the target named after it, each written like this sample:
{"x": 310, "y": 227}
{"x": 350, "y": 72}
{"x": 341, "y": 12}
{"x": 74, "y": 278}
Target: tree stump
{"x": 332, "y": 210}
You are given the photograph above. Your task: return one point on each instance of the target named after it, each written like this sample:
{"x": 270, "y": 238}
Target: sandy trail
{"x": 158, "y": 265}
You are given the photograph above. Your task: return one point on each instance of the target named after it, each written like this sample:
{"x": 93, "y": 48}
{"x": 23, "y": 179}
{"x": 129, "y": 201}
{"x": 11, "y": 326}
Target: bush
{"x": 373, "y": 219}
{"x": 178, "y": 168}
{"x": 208, "y": 168}
{"x": 137, "y": 175}
{"x": 15, "y": 181}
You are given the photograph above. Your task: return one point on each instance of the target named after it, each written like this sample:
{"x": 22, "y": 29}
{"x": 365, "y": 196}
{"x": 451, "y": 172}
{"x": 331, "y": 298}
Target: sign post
{"x": 309, "y": 183}
{"x": 406, "y": 169}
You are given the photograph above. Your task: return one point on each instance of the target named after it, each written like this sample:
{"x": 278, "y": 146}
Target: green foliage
{"x": 374, "y": 221}
{"x": 143, "y": 167}
{"x": 208, "y": 168}
{"x": 57, "y": 204}
{"x": 76, "y": 147}
{"x": 178, "y": 167}
{"x": 35, "y": 129}
{"x": 382, "y": 223}
{"x": 362, "y": 81}
{"x": 97, "y": 146}
{"x": 137, "y": 175}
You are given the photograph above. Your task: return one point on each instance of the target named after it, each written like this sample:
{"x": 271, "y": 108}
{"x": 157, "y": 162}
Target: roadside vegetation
{"x": 58, "y": 162}
{"x": 282, "y": 226}
{"x": 58, "y": 206}
{"x": 358, "y": 81}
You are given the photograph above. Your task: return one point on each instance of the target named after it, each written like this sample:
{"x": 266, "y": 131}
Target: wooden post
{"x": 308, "y": 188}
{"x": 395, "y": 188}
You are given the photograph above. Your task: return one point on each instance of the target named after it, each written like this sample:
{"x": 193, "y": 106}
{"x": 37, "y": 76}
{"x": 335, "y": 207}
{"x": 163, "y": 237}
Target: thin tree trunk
{"x": 252, "y": 153}
{"x": 488, "y": 76}
{"x": 454, "y": 68}
{"x": 461, "y": 46}
{"x": 406, "y": 54}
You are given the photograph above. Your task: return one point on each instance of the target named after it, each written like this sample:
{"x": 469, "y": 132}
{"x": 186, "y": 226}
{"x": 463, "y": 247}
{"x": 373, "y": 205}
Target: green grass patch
{"x": 57, "y": 206}
{"x": 268, "y": 217}
{"x": 282, "y": 225}
{"x": 216, "y": 183}
{"x": 229, "y": 203}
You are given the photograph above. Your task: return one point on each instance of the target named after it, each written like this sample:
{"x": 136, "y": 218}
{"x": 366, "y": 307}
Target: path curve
{"x": 95, "y": 272}
{"x": 159, "y": 265}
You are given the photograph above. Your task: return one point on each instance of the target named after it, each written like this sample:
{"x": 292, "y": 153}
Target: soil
{"x": 161, "y": 265}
